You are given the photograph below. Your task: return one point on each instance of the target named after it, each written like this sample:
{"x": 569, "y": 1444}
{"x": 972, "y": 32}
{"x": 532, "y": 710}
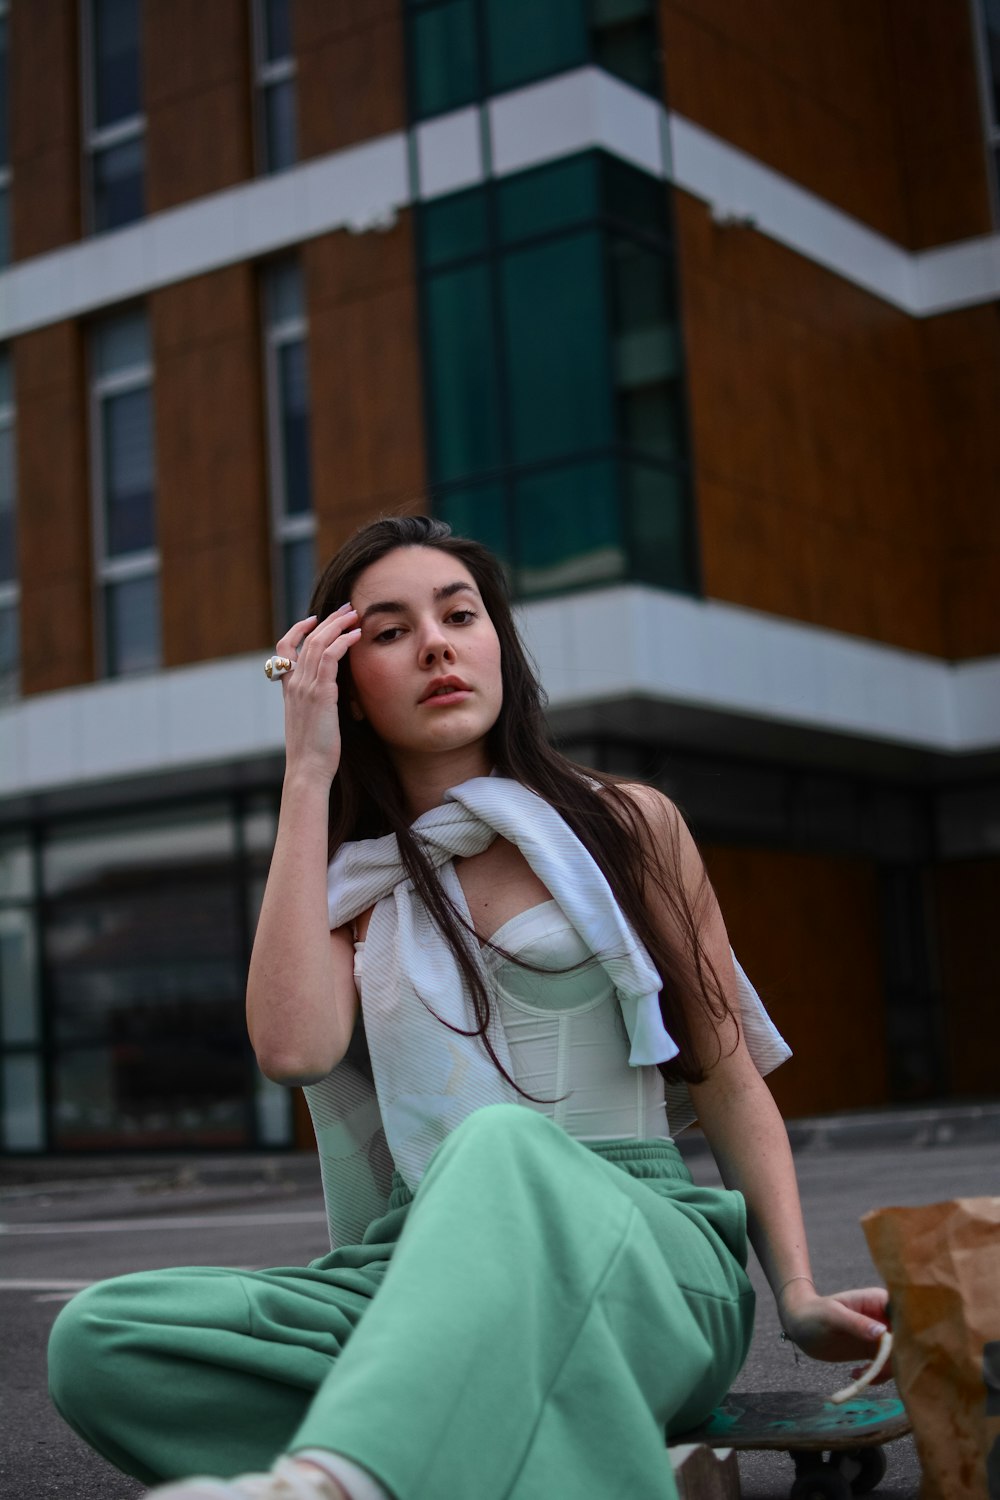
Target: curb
{"x": 912, "y": 1129}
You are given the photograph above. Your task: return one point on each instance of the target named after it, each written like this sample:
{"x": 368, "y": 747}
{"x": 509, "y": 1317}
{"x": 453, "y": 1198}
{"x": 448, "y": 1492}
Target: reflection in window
{"x": 519, "y": 49}
{"x": 293, "y": 521}
{"x": 648, "y": 363}
{"x": 22, "y": 1122}
{"x": 274, "y": 77}
{"x": 19, "y": 1016}
{"x": 127, "y": 560}
{"x": 23, "y": 1112}
{"x": 272, "y": 1102}
{"x": 465, "y": 50}
{"x": 4, "y": 139}
{"x": 480, "y": 510}
{"x": 143, "y": 922}
{"x": 463, "y": 371}
{"x": 987, "y": 14}
{"x": 568, "y": 523}
{"x": 554, "y": 319}
{"x": 111, "y": 853}
{"x": 145, "y": 962}
{"x": 115, "y": 122}
{"x": 9, "y": 585}
{"x": 555, "y": 404}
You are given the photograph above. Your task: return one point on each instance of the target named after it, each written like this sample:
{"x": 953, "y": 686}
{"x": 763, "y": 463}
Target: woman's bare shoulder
{"x": 653, "y": 807}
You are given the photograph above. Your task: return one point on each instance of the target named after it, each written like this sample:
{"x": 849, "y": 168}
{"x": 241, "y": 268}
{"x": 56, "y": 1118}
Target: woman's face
{"x": 426, "y": 669}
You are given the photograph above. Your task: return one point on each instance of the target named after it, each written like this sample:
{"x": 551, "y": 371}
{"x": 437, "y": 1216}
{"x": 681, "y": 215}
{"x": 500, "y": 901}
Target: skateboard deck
{"x": 807, "y": 1426}
{"x": 801, "y": 1419}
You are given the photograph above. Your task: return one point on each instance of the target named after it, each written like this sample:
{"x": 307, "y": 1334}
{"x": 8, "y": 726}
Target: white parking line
{"x": 203, "y": 1221}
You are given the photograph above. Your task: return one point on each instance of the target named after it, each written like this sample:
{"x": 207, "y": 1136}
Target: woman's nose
{"x": 436, "y": 647}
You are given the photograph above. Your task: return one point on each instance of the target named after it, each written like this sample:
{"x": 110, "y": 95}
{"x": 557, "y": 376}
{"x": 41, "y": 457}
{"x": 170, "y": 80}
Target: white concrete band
{"x": 594, "y": 647}
{"x": 363, "y": 188}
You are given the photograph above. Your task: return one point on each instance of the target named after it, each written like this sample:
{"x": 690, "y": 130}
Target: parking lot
{"x": 64, "y": 1231}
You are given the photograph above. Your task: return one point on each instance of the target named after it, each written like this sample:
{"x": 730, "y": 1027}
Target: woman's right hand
{"x": 311, "y": 691}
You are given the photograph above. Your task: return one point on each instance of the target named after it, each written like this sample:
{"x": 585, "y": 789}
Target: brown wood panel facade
{"x": 197, "y": 90}
{"x": 962, "y": 361}
{"x": 874, "y": 107}
{"x": 806, "y": 929}
{"x": 211, "y": 469}
{"x": 813, "y": 434}
{"x": 939, "y": 123}
{"x": 54, "y": 531}
{"x": 350, "y": 82}
{"x": 365, "y": 381}
{"x": 44, "y": 121}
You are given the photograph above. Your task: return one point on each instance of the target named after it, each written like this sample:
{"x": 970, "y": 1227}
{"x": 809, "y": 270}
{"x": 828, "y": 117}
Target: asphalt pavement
{"x": 70, "y": 1222}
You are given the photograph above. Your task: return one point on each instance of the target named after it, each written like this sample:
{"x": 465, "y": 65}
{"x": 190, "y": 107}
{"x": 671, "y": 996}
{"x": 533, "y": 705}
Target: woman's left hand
{"x": 845, "y": 1326}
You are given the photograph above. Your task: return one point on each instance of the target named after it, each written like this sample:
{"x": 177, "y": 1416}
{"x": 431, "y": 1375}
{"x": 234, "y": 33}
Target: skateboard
{"x": 837, "y": 1450}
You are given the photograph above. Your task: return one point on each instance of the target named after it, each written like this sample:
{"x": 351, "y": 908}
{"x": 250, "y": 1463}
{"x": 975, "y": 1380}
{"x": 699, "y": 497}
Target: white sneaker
{"x": 288, "y": 1480}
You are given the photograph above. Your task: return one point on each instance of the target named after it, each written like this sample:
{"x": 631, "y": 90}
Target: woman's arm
{"x": 745, "y": 1130}
{"x": 750, "y": 1145}
{"x": 302, "y": 1002}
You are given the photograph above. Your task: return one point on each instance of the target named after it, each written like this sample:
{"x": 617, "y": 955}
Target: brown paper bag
{"x": 941, "y": 1264}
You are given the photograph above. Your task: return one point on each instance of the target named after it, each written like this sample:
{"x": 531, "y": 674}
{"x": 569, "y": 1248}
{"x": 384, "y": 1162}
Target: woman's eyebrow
{"x": 454, "y": 588}
{"x": 394, "y": 607}
{"x": 384, "y": 607}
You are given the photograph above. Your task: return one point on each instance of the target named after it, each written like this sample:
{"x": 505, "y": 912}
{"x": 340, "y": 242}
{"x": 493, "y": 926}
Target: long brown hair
{"x": 367, "y": 799}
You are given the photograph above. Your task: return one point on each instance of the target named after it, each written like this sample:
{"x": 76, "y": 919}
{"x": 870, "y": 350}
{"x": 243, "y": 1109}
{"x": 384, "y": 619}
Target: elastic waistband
{"x": 647, "y": 1158}
{"x": 651, "y": 1159}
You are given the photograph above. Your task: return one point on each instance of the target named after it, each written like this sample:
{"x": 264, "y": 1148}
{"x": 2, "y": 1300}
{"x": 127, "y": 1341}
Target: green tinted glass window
{"x": 623, "y": 38}
{"x": 445, "y": 57}
{"x": 567, "y": 524}
{"x": 557, "y": 355}
{"x": 479, "y": 511}
{"x": 647, "y": 350}
{"x": 454, "y": 227}
{"x": 462, "y": 373}
{"x": 527, "y": 40}
{"x": 633, "y": 197}
{"x": 547, "y": 198}
{"x": 660, "y": 541}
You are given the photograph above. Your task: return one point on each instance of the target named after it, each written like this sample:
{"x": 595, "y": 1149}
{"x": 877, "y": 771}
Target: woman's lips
{"x": 442, "y": 700}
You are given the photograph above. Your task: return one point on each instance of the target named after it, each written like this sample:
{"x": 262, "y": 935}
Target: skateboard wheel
{"x": 872, "y": 1464}
{"x": 821, "y": 1483}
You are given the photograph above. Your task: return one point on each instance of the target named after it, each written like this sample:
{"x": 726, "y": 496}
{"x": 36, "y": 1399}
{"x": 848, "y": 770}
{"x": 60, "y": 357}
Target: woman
{"x": 542, "y": 1290}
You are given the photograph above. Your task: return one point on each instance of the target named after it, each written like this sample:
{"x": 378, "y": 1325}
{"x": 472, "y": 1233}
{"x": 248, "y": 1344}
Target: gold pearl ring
{"x": 277, "y": 666}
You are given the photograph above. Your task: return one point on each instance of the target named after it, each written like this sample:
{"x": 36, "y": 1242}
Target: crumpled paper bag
{"x": 941, "y": 1263}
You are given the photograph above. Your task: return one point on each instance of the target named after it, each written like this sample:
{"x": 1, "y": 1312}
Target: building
{"x": 689, "y": 308}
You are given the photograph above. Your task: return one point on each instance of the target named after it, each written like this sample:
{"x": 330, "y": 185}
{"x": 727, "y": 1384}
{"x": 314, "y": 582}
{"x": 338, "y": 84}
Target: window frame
{"x": 6, "y": 175}
{"x": 286, "y": 529}
{"x": 242, "y": 868}
{"x": 130, "y": 566}
{"x": 10, "y": 589}
{"x": 98, "y": 139}
{"x": 480, "y": 84}
{"x": 991, "y": 120}
{"x": 610, "y": 215}
{"x": 266, "y": 74}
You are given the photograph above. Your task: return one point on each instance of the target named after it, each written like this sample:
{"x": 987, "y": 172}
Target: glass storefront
{"x": 124, "y": 944}
{"x": 125, "y": 940}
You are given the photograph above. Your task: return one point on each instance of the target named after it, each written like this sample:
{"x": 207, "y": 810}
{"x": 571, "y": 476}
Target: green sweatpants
{"x": 526, "y": 1326}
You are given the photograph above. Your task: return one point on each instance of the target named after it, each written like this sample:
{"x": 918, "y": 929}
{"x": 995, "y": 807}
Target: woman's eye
{"x": 462, "y": 616}
{"x": 390, "y": 633}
